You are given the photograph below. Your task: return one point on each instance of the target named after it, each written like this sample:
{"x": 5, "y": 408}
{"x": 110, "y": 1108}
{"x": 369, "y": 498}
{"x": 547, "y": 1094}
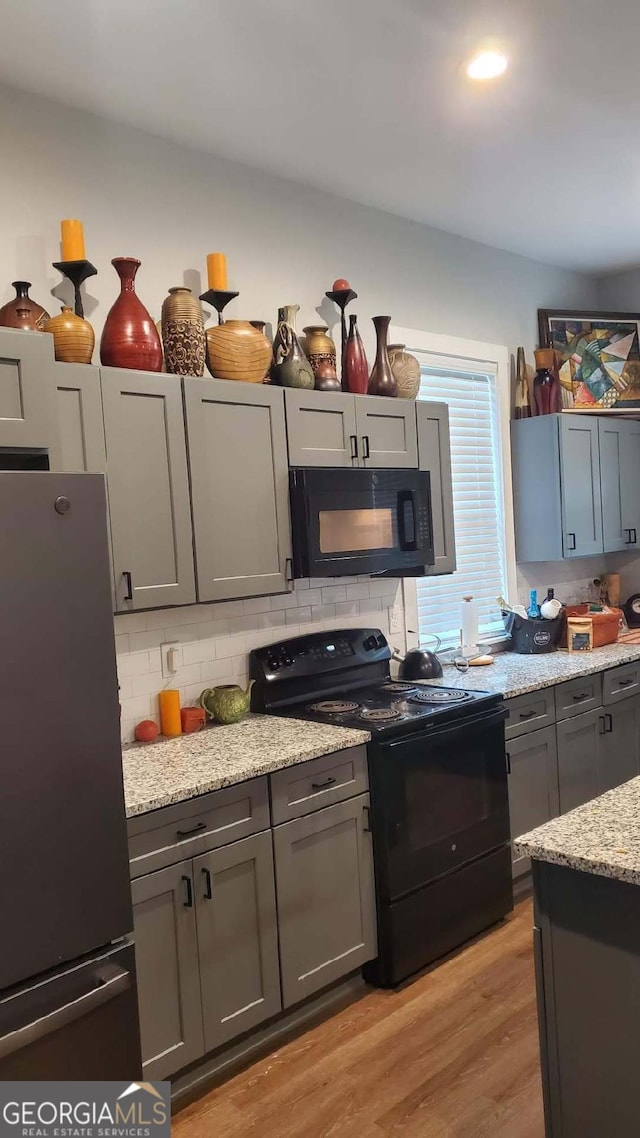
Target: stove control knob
{"x": 370, "y": 643}
{"x": 273, "y": 663}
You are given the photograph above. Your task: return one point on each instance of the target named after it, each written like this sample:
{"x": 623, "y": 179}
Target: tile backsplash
{"x": 215, "y": 639}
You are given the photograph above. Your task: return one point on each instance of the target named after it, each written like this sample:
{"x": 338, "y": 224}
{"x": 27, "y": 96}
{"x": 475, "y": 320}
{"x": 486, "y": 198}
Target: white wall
{"x": 620, "y": 292}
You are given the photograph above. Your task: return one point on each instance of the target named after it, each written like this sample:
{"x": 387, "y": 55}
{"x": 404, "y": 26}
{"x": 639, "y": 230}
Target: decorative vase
{"x": 291, "y": 367}
{"x": 22, "y": 311}
{"x": 73, "y": 337}
{"x": 326, "y": 377}
{"x": 183, "y": 333}
{"x": 318, "y": 347}
{"x": 406, "y": 371}
{"x": 261, "y": 325}
{"x": 237, "y": 350}
{"x": 130, "y": 338}
{"x": 382, "y": 380}
{"x": 546, "y": 385}
{"x": 522, "y": 409}
{"x": 355, "y": 369}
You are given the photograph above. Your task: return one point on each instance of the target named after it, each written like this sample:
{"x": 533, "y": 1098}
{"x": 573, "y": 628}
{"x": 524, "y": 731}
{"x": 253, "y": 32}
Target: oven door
{"x": 360, "y": 521}
{"x": 439, "y": 799}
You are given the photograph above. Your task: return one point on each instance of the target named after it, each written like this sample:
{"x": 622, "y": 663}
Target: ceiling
{"x": 368, "y": 99}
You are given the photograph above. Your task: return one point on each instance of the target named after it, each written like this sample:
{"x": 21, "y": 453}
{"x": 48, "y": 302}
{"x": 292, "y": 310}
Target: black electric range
{"x": 438, "y": 786}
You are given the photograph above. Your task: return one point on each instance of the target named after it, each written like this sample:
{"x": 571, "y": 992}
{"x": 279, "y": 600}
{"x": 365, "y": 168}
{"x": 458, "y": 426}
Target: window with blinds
{"x": 476, "y": 460}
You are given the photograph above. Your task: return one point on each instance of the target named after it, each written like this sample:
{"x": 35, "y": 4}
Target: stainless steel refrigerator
{"x": 68, "y": 1005}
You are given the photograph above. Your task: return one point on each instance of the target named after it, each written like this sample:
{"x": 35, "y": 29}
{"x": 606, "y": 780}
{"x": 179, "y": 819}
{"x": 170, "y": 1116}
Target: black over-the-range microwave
{"x": 346, "y": 522}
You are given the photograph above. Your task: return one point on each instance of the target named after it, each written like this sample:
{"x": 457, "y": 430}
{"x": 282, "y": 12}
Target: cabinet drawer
{"x": 621, "y": 682}
{"x": 576, "y": 696}
{"x": 530, "y": 712}
{"x": 320, "y": 782}
{"x": 166, "y": 836}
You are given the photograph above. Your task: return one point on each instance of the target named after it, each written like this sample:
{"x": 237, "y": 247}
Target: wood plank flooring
{"x": 454, "y": 1055}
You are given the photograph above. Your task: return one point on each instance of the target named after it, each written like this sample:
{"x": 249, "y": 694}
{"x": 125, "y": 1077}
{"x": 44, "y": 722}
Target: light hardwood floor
{"x": 453, "y": 1055}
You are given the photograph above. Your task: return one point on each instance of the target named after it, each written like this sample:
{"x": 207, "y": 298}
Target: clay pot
{"x": 73, "y": 337}
{"x": 183, "y": 333}
{"x": 326, "y": 377}
{"x": 237, "y": 350}
{"x": 22, "y": 311}
{"x": 130, "y": 338}
{"x": 382, "y": 380}
{"x": 406, "y": 370}
{"x": 291, "y": 367}
{"x": 318, "y": 347}
{"x": 261, "y": 325}
{"x": 355, "y": 369}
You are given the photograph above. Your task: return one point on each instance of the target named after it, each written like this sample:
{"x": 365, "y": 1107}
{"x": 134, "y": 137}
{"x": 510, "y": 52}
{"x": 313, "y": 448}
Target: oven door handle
{"x": 407, "y": 542}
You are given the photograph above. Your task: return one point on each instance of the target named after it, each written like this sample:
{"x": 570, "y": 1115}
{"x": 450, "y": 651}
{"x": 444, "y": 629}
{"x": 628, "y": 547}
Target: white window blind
{"x": 478, "y": 499}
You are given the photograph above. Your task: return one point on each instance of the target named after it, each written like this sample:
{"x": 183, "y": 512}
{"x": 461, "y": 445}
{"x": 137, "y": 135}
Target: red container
{"x": 193, "y": 719}
{"x": 130, "y": 338}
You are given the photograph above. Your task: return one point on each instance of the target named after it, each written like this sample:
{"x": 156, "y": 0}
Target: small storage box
{"x": 606, "y": 625}
{"x": 532, "y": 636}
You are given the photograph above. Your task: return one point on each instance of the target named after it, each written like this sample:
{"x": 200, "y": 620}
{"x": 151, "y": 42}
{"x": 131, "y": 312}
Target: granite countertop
{"x": 601, "y": 837}
{"x": 513, "y": 674}
{"x": 174, "y": 770}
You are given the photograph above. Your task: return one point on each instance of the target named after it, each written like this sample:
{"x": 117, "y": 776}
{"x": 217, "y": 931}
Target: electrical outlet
{"x": 171, "y": 656}
{"x": 395, "y": 620}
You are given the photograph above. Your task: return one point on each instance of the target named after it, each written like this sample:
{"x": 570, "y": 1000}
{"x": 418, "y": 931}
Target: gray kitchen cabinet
{"x": 580, "y": 481}
{"x": 78, "y": 443}
{"x": 26, "y": 396}
{"x": 621, "y": 682}
{"x": 619, "y": 441}
{"x": 580, "y": 747}
{"x": 148, "y": 486}
{"x": 237, "y": 938}
{"x": 326, "y": 903}
{"x": 530, "y": 712}
{"x": 321, "y": 428}
{"x": 532, "y": 764}
{"x": 434, "y": 455}
{"x": 620, "y": 758}
{"x": 573, "y": 697}
{"x": 239, "y": 488}
{"x": 387, "y": 432}
{"x": 167, "y": 970}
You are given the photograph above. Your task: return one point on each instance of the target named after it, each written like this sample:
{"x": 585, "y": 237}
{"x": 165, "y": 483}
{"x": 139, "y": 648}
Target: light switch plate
{"x": 171, "y": 656}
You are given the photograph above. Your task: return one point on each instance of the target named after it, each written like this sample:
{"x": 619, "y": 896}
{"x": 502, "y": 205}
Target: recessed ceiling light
{"x": 487, "y": 65}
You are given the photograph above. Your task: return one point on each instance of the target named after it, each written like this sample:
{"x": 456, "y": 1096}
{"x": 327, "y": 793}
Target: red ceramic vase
{"x": 355, "y": 369}
{"x": 130, "y": 337}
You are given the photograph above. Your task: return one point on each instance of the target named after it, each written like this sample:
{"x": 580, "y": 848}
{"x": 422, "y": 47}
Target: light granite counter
{"x": 602, "y": 837}
{"x": 174, "y": 770}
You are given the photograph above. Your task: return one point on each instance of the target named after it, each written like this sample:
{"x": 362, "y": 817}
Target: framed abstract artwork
{"x": 598, "y": 357}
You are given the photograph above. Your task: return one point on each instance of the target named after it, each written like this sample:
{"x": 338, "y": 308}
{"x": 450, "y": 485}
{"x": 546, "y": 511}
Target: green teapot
{"x": 226, "y": 703}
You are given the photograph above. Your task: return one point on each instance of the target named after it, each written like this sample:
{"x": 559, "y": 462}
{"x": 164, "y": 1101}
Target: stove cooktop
{"x": 385, "y": 705}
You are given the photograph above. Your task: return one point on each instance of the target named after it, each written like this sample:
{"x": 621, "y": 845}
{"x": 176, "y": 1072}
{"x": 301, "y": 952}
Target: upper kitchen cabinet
{"x": 78, "y": 442}
{"x": 387, "y": 433}
{"x": 26, "y": 362}
{"x": 239, "y": 488}
{"x": 434, "y": 455}
{"x": 556, "y": 487}
{"x": 321, "y": 428}
{"x": 148, "y": 487}
{"x": 620, "y": 478}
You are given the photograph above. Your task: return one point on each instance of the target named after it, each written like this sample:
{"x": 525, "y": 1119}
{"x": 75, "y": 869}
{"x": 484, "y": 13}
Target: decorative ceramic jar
{"x": 237, "y": 350}
{"x": 73, "y": 337}
{"x": 183, "y": 333}
{"x": 406, "y": 370}
{"x": 355, "y": 369}
{"x": 22, "y": 311}
{"x": 261, "y": 325}
{"x": 130, "y": 337}
{"x": 326, "y": 377}
{"x": 291, "y": 367}
{"x": 318, "y": 347}
{"x": 227, "y": 703}
{"x": 547, "y": 394}
{"x": 382, "y": 380}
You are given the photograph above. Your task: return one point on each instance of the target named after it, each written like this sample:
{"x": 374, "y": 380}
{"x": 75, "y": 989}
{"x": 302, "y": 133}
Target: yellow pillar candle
{"x": 217, "y": 271}
{"x": 170, "y": 722}
{"x": 72, "y": 239}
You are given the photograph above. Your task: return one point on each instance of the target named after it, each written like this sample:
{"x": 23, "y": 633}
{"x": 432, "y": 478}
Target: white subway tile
{"x": 133, "y": 664}
{"x": 292, "y": 627}
{"x": 126, "y": 730}
{"x": 324, "y": 612}
{"x": 242, "y": 624}
{"x": 347, "y": 608}
{"x": 155, "y": 660}
{"x": 125, "y": 686}
{"x": 130, "y": 622}
{"x": 212, "y": 628}
{"x": 141, "y": 640}
{"x": 272, "y": 619}
{"x": 228, "y": 609}
{"x": 295, "y": 616}
{"x": 192, "y": 693}
{"x": 317, "y": 582}
{"x": 333, "y": 593}
{"x": 141, "y": 707}
{"x": 302, "y": 583}
{"x": 313, "y": 597}
{"x": 214, "y": 672}
{"x": 122, "y": 644}
{"x": 198, "y": 651}
{"x": 370, "y": 604}
{"x": 256, "y": 604}
{"x": 189, "y": 674}
{"x": 230, "y": 646}
{"x": 358, "y": 592}
{"x": 150, "y": 684}
{"x": 383, "y": 587}
{"x": 284, "y": 601}
{"x": 260, "y": 639}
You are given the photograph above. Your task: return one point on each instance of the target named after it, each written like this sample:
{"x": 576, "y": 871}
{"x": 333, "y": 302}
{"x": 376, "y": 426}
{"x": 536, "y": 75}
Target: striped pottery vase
{"x": 183, "y": 333}
{"x": 73, "y": 337}
{"x": 237, "y": 350}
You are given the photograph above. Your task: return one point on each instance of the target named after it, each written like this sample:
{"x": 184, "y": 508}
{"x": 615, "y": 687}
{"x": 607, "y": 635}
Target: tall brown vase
{"x": 22, "y": 311}
{"x": 130, "y": 338}
{"x": 183, "y": 333}
{"x": 382, "y": 380}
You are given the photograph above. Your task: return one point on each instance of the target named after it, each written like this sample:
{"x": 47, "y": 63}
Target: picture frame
{"x": 598, "y": 357}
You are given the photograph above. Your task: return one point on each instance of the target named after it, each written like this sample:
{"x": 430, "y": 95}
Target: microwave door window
{"x": 354, "y": 531}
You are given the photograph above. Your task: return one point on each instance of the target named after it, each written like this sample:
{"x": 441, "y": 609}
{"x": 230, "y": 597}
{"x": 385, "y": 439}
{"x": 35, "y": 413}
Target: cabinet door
{"x": 237, "y": 938}
{"x": 321, "y": 428}
{"x": 620, "y": 745}
{"x": 532, "y": 763}
{"x": 579, "y": 758}
{"x": 79, "y": 440}
{"x": 167, "y": 970}
{"x": 148, "y": 488}
{"x": 326, "y": 903}
{"x": 26, "y": 393}
{"x": 387, "y": 432}
{"x": 580, "y": 485}
{"x": 630, "y": 481}
{"x": 239, "y": 488}
{"x": 611, "y": 461}
{"x": 434, "y": 455}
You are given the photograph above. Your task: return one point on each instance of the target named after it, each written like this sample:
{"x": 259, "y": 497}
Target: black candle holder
{"x": 342, "y": 297}
{"x": 218, "y": 299}
{"x": 76, "y": 272}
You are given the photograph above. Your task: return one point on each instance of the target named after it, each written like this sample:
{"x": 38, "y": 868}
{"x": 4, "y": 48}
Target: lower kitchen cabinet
{"x": 326, "y": 901}
{"x": 620, "y": 757}
{"x": 167, "y": 970}
{"x": 237, "y": 938}
{"x": 532, "y": 763}
{"x": 580, "y": 742}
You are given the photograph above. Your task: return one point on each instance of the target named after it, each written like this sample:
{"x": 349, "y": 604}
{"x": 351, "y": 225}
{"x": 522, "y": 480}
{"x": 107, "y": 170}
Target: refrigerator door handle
{"x": 112, "y": 982}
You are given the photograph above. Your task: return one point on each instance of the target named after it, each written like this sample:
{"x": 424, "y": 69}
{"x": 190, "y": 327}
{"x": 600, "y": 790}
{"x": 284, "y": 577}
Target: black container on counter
{"x": 532, "y": 636}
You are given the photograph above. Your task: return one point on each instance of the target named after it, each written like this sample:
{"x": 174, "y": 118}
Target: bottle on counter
{"x": 533, "y": 612}
{"x": 550, "y": 595}
{"x": 469, "y": 627}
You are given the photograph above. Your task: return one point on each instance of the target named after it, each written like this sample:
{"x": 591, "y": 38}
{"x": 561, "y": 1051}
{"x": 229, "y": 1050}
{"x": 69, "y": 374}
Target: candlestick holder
{"x": 76, "y": 272}
{"x": 342, "y": 297}
{"x": 218, "y": 299}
